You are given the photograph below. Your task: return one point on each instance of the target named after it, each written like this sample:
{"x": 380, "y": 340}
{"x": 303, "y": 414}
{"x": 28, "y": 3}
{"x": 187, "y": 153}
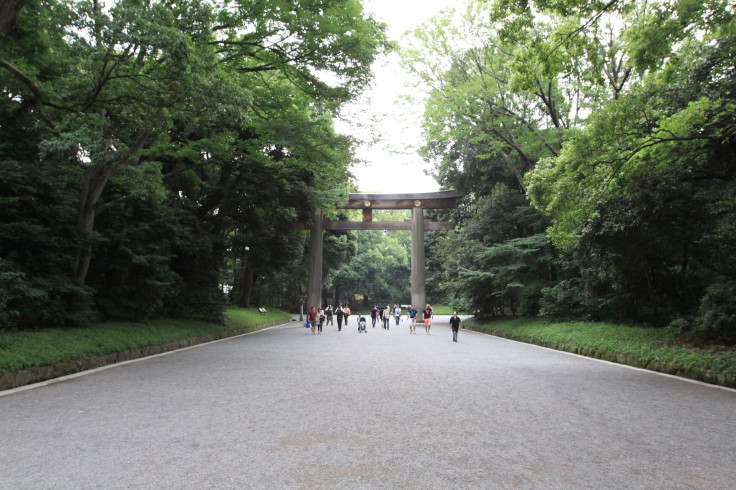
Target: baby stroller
{"x": 361, "y": 324}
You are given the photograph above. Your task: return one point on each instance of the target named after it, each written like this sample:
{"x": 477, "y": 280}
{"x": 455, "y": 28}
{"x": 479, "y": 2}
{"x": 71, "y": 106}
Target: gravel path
{"x": 283, "y": 408}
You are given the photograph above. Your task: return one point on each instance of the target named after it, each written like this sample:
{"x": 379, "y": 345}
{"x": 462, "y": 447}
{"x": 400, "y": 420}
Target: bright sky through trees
{"x": 391, "y": 161}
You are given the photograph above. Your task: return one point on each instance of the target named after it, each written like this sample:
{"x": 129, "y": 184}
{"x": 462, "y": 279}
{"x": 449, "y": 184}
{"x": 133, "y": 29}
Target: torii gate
{"x": 368, "y": 202}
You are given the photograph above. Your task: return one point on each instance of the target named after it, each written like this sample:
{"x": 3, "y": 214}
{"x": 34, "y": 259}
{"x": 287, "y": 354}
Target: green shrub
{"x": 716, "y": 318}
{"x": 566, "y": 299}
{"x": 38, "y": 243}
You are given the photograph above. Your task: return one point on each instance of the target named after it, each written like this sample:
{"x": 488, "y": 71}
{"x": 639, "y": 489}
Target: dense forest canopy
{"x": 149, "y": 149}
{"x": 595, "y": 144}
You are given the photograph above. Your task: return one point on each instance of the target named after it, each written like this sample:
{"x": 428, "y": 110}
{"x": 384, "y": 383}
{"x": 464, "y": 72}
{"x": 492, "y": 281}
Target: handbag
{"x": 307, "y": 325}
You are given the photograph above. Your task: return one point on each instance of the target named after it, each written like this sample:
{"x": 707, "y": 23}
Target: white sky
{"x": 392, "y": 163}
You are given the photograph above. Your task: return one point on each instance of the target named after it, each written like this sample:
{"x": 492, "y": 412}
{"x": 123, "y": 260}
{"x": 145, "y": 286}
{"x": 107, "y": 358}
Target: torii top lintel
{"x": 428, "y": 200}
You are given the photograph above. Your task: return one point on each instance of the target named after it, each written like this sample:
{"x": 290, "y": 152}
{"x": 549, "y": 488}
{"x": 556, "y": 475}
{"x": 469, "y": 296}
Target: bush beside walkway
{"x": 30, "y": 357}
{"x": 655, "y": 349}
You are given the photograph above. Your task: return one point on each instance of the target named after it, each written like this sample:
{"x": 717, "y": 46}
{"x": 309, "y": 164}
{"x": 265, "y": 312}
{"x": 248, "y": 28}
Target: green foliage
{"x": 37, "y": 243}
{"x": 566, "y": 299}
{"x": 507, "y": 88}
{"x": 448, "y": 310}
{"x": 616, "y": 118}
{"x": 508, "y": 274}
{"x": 380, "y": 269}
{"x": 185, "y": 135}
{"x": 644, "y": 192}
{"x": 716, "y": 316}
{"x": 674, "y": 120}
{"x": 499, "y": 259}
{"x": 250, "y": 318}
{"x": 133, "y": 272}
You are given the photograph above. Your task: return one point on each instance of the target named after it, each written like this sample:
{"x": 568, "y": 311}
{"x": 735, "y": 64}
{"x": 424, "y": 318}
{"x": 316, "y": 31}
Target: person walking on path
{"x": 427, "y": 314}
{"x": 411, "y": 317}
{"x": 347, "y": 314}
{"x": 312, "y": 318}
{"x": 397, "y": 313}
{"x": 328, "y": 314}
{"x": 386, "y": 317}
{"x": 339, "y": 313}
{"x": 320, "y": 320}
{"x": 374, "y": 315}
{"x": 455, "y": 324}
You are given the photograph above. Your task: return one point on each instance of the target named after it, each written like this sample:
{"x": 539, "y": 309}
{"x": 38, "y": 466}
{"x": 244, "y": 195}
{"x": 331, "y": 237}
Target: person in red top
{"x": 312, "y": 317}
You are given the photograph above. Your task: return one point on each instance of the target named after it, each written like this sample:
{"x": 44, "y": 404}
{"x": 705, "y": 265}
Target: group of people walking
{"x": 383, "y": 315}
{"x": 316, "y": 317}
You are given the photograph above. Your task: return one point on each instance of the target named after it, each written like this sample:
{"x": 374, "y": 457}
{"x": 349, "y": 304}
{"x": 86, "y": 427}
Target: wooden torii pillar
{"x": 368, "y": 202}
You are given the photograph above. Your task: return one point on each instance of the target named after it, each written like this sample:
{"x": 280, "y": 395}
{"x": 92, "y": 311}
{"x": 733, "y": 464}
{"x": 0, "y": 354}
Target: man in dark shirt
{"x": 455, "y": 324}
{"x": 339, "y": 313}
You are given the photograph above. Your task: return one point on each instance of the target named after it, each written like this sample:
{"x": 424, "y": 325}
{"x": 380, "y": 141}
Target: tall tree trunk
{"x": 248, "y": 286}
{"x": 9, "y": 10}
{"x": 243, "y": 287}
{"x": 95, "y": 180}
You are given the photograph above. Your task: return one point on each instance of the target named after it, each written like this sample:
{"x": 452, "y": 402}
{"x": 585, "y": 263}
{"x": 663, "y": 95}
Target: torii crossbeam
{"x": 368, "y": 202}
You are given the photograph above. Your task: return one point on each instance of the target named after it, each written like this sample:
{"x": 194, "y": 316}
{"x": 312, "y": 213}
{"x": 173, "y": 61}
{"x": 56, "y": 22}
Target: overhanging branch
{"x": 38, "y": 96}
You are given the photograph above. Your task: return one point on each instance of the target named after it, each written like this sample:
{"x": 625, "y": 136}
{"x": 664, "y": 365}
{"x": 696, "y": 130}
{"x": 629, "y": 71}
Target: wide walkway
{"x": 283, "y": 408}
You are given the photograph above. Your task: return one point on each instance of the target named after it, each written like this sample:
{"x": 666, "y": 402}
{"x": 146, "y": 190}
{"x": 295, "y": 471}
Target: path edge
{"x": 671, "y": 368}
{"x": 16, "y": 379}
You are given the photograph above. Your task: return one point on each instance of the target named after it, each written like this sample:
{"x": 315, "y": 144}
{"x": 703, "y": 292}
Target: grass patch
{"x": 647, "y": 344}
{"x": 250, "y": 319}
{"x": 24, "y": 350}
{"x": 444, "y": 310}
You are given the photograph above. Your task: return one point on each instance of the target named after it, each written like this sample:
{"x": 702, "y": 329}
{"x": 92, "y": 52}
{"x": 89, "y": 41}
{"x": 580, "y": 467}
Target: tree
{"x": 498, "y": 259}
{"x": 9, "y": 10}
{"x": 501, "y": 100}
{"x": 212, "y": 122}
{"x": 505, "y": 89}
{"x": 36, "y": 239}
{"x": 120, "y": 76}
{"x": 646, "y": 188}
{"x": 616, "y": 118}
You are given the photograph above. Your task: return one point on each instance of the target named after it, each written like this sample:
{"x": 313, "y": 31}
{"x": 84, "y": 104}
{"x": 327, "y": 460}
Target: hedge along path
{"x": 23, "y": 377}
{"x": 682, "y": 370}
